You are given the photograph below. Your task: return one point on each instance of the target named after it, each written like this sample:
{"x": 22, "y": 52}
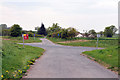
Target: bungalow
{"x": 79, "y": 35}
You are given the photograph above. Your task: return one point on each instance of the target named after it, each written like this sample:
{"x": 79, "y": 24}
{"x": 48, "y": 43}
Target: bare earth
{"x": 74, "y": 41}
{"x": 60, "y": 61}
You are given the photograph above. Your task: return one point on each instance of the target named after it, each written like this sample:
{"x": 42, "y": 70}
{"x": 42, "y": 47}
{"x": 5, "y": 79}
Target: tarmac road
{"x": 60, "y": 61}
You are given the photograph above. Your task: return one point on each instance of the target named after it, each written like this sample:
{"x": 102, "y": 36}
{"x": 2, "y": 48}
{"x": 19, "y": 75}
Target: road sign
{"x": 25, "y": 36}
{"x": 34, "y": 36}
{"x": 58, "y": 34}
{"x": 98, "y": 35}
{"x": 22, "y": 35}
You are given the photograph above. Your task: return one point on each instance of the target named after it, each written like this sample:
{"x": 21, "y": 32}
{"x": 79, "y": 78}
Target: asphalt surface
{"x": 60, "y": 61}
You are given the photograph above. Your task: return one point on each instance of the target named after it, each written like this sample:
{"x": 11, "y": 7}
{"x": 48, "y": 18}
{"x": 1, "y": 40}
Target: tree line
{"x": 108, "y": 32}
{"x": 54, "y": 31}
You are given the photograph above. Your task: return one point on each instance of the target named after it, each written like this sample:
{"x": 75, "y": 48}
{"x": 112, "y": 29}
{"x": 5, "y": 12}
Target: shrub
{"x": 37, "y": 35}
{"x": 49, "y": 35}
{"x": 30, "y": 34}
{"x": 15, "y": 30}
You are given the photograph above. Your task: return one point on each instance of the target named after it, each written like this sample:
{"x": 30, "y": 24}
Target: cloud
{"x": 81, "y": 14}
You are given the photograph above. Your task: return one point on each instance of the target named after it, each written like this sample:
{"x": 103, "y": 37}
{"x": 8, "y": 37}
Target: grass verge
{"x": 20, "y": 39}
{"x": 16, "y": 59}
{"x": 92, "y": 43}
{"x": 55, "y": 40}
{"x": 107, "y": 57}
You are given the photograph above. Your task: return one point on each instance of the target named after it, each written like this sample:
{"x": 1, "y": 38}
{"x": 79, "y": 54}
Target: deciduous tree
{"x": 15, "y": 30}
{"x": 110, "y": 31}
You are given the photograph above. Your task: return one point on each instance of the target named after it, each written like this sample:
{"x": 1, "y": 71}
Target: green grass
{"x": 20, "y": 39}
{"x": 92, "y": 43}
{"x": 108, "y": 57}
{"x": 16, "y": 59}
{"x": 56, "y": 39}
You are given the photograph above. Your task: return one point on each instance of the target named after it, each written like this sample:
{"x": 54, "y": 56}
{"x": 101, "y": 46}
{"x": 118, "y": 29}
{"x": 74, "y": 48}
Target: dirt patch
{"x": 74, "y": 41}
{"x": 6, "y": 39}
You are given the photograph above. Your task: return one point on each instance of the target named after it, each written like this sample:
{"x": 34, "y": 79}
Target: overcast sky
{"x": 80, "y": 14}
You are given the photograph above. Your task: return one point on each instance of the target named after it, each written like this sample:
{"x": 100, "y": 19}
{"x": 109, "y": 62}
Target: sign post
{"x": 23, "y": 40}
{"x": 25, "y": 37}
{"x": 58, "y": 34}
{"x": 34, "y": 36}
{"x": 98, "y": 35}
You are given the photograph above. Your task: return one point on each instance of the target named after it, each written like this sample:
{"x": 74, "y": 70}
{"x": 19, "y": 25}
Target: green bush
{"x": 6, "y": 32}
{"x": 49, "y": 35}
{"x": 37, "y": 35}
{"x": 15, "y": 30}
{"x": 30, "y": 34}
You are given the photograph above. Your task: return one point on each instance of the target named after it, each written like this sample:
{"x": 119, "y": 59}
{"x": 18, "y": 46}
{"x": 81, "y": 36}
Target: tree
{"x": 24, "y": 31}
{"x": 36, "y": 28}
{"x": 58, "y": 32}
{"x": 6, "y": 32}
{"x": 114, "y": 29}
{"x": 72, "y": 32}
{"x": 110, "y": 31}
{"x": 30, "y": 34}
{"x": 54, "y": 28}
{"x": 86, "y": 34}
{"x": 15, "y": 30}
{"x": 64, "y": 33}
{"x": 101, "y": 33}
{"x": 42, "y": 30}
{"x": 93, "y": 33}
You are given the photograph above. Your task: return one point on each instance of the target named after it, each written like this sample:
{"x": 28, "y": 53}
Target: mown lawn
{"x": 16, "y": 59}
{"x": 56, "y": 39}
{"x": 20, "y": 39}
{"x": 92, "y": 43}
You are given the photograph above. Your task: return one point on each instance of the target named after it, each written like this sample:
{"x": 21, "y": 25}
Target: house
{"x": 79, "y": 35}
{"x": 92, "y": 36}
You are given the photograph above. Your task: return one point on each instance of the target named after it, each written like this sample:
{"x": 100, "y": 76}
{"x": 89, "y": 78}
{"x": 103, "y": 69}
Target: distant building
{"x": 79, "y": 35}
{"x": 3, "y": 26}
{"x": 91, "y": 35}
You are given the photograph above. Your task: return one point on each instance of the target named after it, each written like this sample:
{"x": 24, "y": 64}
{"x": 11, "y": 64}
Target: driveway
{"x": 60, "y": 61}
